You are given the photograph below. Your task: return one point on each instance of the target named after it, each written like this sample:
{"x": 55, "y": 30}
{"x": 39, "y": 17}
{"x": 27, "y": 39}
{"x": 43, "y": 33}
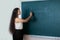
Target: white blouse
{"x": 19, "y": 25}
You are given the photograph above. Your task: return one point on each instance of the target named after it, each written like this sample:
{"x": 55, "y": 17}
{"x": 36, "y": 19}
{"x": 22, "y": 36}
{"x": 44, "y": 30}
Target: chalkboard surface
{"x": 46, "y": 18}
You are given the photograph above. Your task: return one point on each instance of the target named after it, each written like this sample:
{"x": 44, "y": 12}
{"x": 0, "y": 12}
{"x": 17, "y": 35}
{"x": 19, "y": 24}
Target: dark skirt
{"x": 18, "y": 35}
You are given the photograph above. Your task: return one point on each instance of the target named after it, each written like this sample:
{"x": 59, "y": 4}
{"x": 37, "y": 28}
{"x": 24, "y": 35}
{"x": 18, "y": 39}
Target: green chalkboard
{"x": 46, "y": 18}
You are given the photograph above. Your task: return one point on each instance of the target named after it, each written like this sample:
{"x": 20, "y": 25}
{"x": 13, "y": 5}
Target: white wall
{"x": 6, "y": 7}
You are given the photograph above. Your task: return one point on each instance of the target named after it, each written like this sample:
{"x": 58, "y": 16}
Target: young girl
{"x": 16, "y": 24}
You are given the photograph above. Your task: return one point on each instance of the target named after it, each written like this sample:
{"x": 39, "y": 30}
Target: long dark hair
{"x": 12, "y": 21}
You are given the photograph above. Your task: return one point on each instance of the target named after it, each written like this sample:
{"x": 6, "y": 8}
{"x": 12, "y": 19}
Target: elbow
{"x": 26, "y": 21}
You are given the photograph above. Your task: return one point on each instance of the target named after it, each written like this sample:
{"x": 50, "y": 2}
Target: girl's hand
{"x": 31, "y": 14}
